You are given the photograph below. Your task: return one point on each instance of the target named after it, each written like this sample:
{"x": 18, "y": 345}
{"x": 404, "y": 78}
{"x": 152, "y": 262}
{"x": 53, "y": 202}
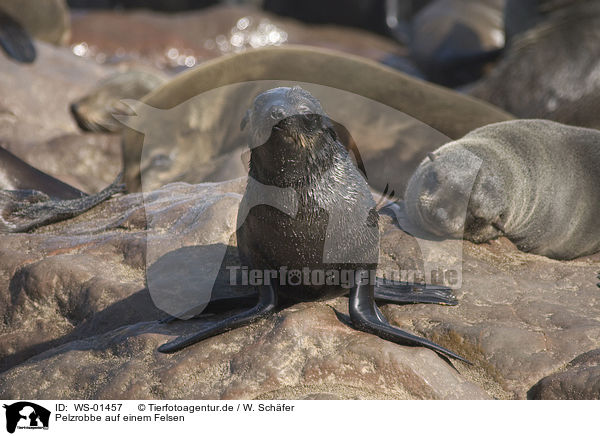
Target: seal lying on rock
{"x": 334, "y": 232}
{"x": 538, "y": 185}
{"x": 94, "y": 111}
{"x": 30, "y": 198}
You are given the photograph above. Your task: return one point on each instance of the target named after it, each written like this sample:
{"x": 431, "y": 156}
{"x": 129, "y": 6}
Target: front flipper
{"x": 25, "y": 210}
{"x": 366, "y": 316}
{"x": 388, "y": 291}
{"x": 267, "y": 301}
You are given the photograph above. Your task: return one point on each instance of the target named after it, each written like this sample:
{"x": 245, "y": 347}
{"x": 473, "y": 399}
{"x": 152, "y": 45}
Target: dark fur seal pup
{"x": 538, "y": 184}
{"x": 335, "y": 229}
{"x": 94, "y": 111}
{"x": 30, "y": 198}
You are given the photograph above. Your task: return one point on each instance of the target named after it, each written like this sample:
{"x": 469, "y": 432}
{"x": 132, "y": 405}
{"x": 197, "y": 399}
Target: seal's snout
{"x": 294, "y": 125}
{"x": 277, "y": 113}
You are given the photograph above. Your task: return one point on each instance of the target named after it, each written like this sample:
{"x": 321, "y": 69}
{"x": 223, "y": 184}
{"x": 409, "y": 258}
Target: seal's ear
{"x": 245, "y": 120}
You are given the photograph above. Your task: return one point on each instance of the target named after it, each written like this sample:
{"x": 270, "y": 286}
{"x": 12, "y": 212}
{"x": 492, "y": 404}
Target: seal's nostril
{"x": 277, "y": 113}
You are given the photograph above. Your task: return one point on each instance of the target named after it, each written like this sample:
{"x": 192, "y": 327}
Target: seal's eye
{"x": 277, "y": 113}
{"x": 305, "y": 110}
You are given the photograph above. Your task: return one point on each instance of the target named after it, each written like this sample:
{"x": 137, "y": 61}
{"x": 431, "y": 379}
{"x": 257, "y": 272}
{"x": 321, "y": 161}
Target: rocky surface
{"x": 182, "y": 40}
{"x": 35, "y": 123}
{"x": 79, "y": 322}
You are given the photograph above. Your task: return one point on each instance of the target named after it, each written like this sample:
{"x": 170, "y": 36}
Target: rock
{"x": 65, "y": 308}
{"x": 182, "y": 40}
{"x": 80, "y": 323}
{"x": 580, "y": 380}
{"x": 35, "y": 123}
{"x": 48, "y": 20}
{"x": 34, "y": 99}
{"x": 520, "y": 316}
{"x": 89, "y": 161}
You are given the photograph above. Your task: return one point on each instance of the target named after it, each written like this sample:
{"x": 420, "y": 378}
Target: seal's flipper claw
{"x": 15, "y": 41}
{"x": 404, "y": 292}
{"x": 267, "y": 300}
{"x": 366, "y": 316}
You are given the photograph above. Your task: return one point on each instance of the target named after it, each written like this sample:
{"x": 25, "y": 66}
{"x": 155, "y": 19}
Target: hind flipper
{"x": 25, "y": 210}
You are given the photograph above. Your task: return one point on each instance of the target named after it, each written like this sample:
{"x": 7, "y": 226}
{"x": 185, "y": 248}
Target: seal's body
{"x": 550, "y": 70}
{"x": 294, "y": 148}
{"x": 539, "y": 185}
{"x": 303, "y": 153}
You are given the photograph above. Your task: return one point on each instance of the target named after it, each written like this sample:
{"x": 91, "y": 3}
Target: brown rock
{"x": 520, "y": 316}
{"x": 182, "y": 40}
{"x": 36, "y": 126}
{"x": 78, "y": 316}
{"x": 80, "y": 323}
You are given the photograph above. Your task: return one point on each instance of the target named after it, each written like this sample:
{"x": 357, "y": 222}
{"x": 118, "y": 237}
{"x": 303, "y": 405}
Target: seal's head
{"x": 291, "y": 137}
{"x": 274, "y": 105}
{"x": 94, "y": 112}
{"x": 454, "y": 194}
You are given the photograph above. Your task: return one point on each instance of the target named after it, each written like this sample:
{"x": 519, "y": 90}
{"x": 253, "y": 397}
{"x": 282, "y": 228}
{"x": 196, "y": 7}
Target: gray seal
{"x": 538, "y": 185}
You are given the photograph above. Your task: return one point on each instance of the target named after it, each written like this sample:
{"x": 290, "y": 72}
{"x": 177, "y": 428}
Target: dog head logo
{"x": 26, "y": 415}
